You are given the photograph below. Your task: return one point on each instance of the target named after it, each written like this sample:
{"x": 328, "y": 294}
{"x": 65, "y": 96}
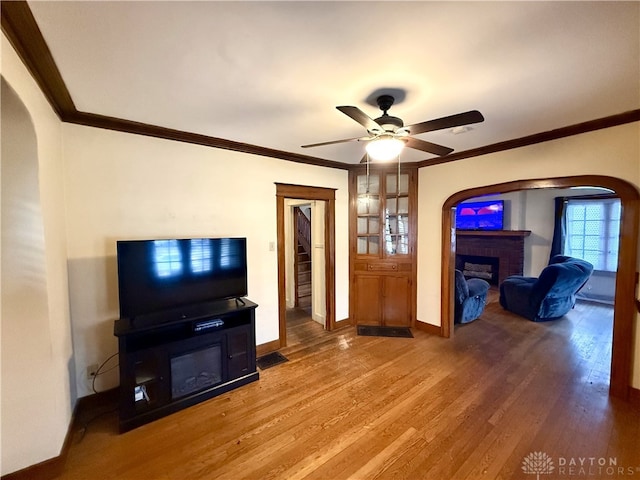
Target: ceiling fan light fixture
{"x": 388, "y": 135}
{"x": 384, "y": 149}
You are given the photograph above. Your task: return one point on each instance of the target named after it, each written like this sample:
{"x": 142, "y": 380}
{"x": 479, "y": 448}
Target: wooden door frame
{"x": 626, "y": 277}
{"x": 300, "y": 192}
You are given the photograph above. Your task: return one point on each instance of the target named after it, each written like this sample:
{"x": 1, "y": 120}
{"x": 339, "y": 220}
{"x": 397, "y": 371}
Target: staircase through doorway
{"x": 303, "y": 270}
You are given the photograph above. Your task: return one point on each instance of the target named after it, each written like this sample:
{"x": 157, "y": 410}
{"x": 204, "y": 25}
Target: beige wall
{"x": 37, "y": 395}
{"x": 613, "y": 152}
{"x": 122, "y": 186}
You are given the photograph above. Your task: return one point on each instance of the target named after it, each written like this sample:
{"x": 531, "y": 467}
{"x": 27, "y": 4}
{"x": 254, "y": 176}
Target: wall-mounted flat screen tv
{"x": 483, "y": 215}
{"x": 156, "y": 275}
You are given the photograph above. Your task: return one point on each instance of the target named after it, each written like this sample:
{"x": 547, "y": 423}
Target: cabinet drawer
{"x": 382, "y": 267}
{"x": 376, "y": 267}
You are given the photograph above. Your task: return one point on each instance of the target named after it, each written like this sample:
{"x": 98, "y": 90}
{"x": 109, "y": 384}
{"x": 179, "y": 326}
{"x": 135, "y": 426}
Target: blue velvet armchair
{"x": 470, "y": 298}
{"x": 549, "y": 296}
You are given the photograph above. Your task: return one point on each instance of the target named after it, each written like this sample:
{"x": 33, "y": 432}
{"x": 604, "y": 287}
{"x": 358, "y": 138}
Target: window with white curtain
{"x": 592, "y": 231}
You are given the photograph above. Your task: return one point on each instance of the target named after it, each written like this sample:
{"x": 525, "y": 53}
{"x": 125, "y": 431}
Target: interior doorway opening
{"x": 319, "y": 281}
{"x": 302, "y": 251}
{"x": 305, "y": 272}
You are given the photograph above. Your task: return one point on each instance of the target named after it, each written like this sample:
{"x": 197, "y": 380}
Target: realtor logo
{"x": 537, "y": 463}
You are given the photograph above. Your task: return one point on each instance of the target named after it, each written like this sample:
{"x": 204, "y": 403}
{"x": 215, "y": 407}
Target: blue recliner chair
{"x": 549, "y": 296}
{"x": 470, "y": 298}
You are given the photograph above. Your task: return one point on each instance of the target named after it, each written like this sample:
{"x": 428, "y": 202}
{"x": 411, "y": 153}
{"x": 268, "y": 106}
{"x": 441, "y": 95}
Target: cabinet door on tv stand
{"x": 240, "y": 359}
{"x": 145, "y": 385}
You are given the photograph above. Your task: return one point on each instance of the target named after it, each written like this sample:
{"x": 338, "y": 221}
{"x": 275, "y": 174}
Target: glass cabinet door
{"x": 382, "y": 214}
{"x": 368, "y": 214}
{"x": 396, "y": 214}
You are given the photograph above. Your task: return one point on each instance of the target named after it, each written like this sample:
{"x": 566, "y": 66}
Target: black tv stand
{"x": 170, "y": 361}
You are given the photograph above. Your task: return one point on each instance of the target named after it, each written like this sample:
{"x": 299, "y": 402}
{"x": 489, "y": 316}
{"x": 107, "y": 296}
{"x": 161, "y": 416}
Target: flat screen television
{"x": 483, "y": 215}
{"x": 156, "y": 275}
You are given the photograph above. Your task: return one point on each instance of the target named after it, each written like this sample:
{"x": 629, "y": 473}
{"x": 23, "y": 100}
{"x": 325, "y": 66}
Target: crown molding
{"x": 571, "y": 130}
{"x": 25, "y": 36}
{"x": 138, "y": 128}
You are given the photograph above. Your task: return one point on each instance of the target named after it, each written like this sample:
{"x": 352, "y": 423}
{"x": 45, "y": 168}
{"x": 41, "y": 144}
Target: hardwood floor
{"x": 301, "y": 329}
{"x": 346, "y": 406}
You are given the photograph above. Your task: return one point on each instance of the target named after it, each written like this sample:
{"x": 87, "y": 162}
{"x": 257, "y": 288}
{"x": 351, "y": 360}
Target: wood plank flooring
{"x": 351, "y": 407}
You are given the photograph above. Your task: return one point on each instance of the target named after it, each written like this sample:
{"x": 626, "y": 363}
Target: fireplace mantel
{"x": 505, "y": 245}
{"x": 494, "y": 233}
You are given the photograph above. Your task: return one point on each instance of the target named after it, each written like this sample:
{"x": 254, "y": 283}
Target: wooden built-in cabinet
{"x": 382, "y": 246}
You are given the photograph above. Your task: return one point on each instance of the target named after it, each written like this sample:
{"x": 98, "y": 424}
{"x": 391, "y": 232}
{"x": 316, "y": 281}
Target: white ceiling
{"x": 271, "y": 73}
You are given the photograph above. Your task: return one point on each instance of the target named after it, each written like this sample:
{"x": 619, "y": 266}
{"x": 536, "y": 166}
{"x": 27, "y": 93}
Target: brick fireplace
{"x": 503, "y": 249}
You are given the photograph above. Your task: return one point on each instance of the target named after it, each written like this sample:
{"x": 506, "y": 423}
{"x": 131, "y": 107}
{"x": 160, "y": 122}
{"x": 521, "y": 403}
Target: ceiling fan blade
{"x": 473, "y": 116}
{"x": 357, "y": 139}
{"x": 362, "y": 118}
{"x": 428, "y": 147}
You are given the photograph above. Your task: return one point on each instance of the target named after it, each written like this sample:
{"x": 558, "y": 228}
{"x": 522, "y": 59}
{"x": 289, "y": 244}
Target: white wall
{"x": 123, "y": 186}
{"x": 37, "y": 394}
{"x": 318, "y": 284}
{"x": 613, "y": 152}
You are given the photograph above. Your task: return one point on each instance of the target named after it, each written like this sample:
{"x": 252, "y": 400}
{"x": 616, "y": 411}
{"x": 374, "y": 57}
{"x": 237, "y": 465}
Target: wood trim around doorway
{"x": 625, "y": 293}
{"x": 328, "y": 195}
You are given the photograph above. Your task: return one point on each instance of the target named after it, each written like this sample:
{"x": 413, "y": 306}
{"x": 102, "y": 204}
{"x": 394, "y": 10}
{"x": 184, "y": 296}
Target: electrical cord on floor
{"x": 100, "y": 372}
{"x": 84, "y": 424}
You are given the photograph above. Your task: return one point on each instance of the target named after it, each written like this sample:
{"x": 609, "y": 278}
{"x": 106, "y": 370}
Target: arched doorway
{"x": 624, "y": 314}
{"x": 30, "y": 374}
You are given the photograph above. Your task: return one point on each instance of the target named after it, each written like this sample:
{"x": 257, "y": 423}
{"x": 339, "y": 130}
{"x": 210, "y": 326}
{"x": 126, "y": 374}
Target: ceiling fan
{"x": 392, "y": 132}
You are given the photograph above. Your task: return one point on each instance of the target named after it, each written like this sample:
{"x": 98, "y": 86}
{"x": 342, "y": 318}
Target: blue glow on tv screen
{"x": 485, "y": 215}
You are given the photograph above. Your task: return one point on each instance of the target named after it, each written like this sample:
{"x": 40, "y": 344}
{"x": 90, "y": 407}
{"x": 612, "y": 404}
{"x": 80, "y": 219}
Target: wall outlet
{"x": 91, "y": 371}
